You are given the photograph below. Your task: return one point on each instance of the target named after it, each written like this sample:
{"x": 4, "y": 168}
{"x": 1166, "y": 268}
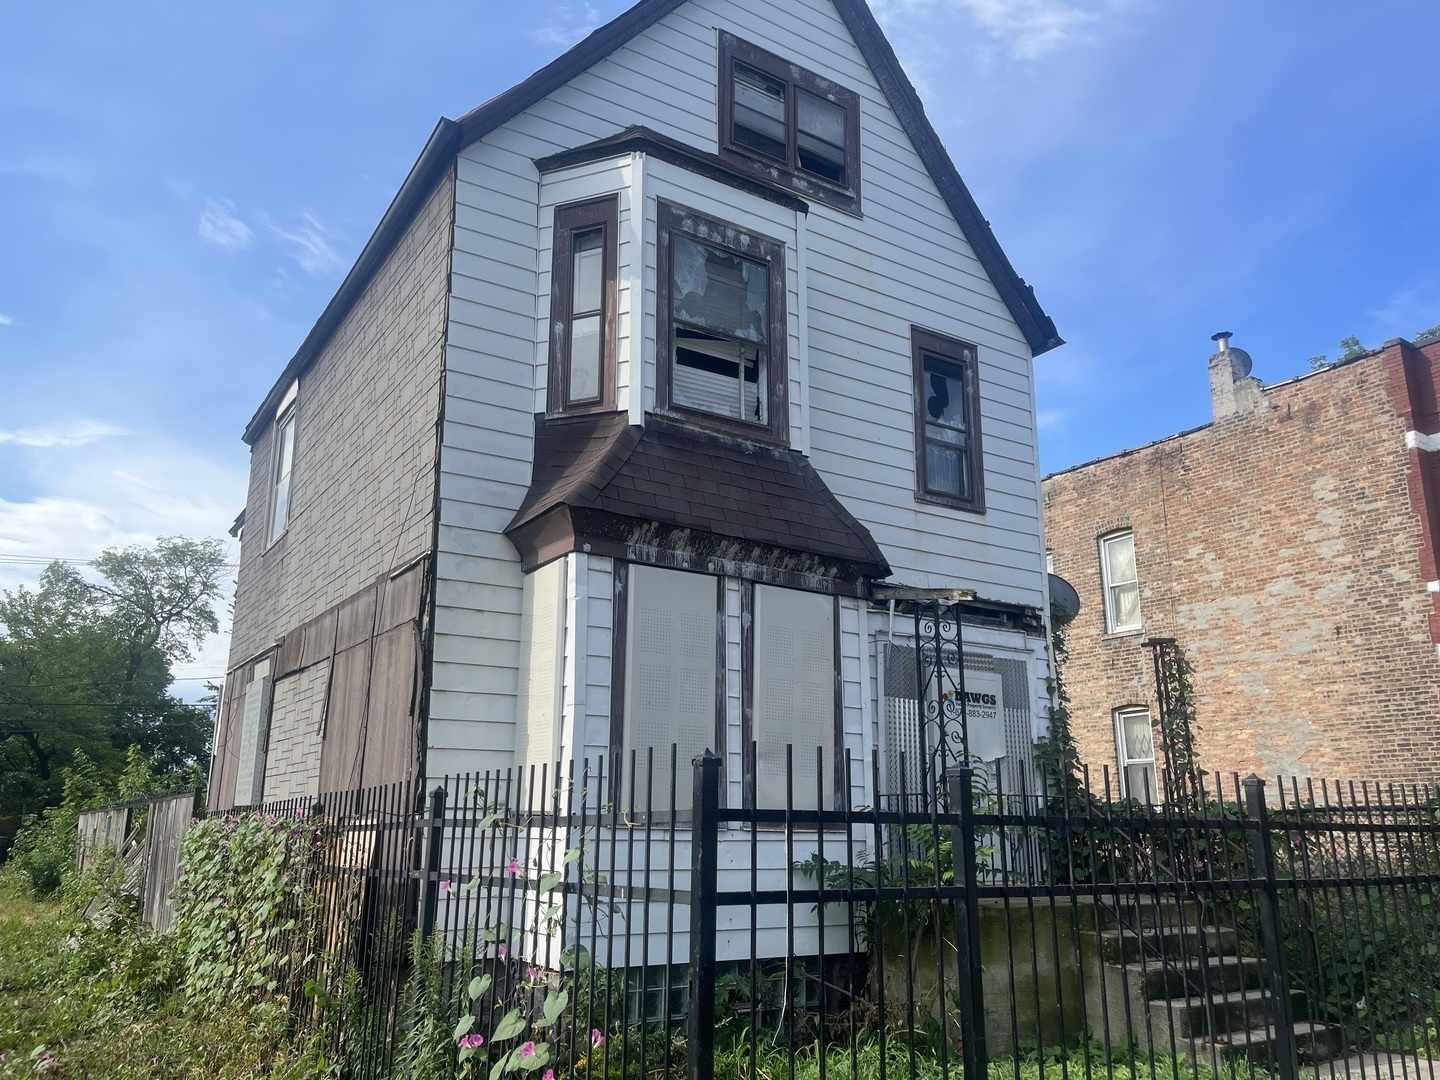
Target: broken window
{"x": 791, "y": 125}
{"x": 723, "y": 312}
{"x": 948, "y": 464}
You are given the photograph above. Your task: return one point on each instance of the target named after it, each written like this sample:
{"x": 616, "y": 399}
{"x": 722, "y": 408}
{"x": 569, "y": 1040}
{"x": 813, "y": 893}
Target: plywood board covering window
{"x": 542, "y": 633}
{"x": 794, "y": 672}
{"x": 670, "y": 661}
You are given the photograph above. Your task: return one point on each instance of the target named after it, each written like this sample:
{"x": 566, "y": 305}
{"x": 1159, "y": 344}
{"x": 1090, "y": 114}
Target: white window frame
{"x": 282, "y": 481}
{"x": 1112, "y": 618}
{"x": 1122, "y": 754}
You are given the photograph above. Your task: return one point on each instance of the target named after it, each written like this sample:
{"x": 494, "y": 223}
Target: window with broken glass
{"x": 789, "y": 124}
{"x": 948, "y": 464}
{"x": 722, "y": 324}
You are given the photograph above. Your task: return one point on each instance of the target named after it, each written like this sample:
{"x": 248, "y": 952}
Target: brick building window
{"x": 1122, "y": 585}
{"x": 1135, "y": 745}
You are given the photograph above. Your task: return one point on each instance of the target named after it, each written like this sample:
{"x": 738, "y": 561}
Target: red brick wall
{"x": 1289, "y": 552}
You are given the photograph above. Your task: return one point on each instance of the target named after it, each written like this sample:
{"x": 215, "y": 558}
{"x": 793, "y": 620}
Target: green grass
{"x": 70, "y": 1009}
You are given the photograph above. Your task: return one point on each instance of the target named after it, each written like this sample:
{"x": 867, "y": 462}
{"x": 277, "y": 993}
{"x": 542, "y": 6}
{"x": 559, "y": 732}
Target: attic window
{"x": 792, "y": 126}
{"x": 722, "y": 324}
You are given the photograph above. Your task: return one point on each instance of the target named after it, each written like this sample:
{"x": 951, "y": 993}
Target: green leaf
{"x": 510, "y": 1025}
{"x": 463, "y": 1027}
{"x": 553, "y": 1008}
{"x": 549, "y": 881}
{"x": 537, "y": 1060}
{"x": 478, "y": 986}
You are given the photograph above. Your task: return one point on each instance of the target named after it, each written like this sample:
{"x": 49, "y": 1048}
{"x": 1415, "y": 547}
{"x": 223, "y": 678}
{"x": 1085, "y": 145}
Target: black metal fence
{"x": 538, "y": 921}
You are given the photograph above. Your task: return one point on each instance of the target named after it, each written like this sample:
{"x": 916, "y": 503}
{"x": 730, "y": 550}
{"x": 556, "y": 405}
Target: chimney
{"x": 1233, "y": 391}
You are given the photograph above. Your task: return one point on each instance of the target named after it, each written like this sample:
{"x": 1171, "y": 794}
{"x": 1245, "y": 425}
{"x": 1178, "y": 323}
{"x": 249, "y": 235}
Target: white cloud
{"x": 570, "y": 26}
{"x": 80, "y": 433}
{"x": 1021, "y": 29}
{"x": 219, "y": 225}
{"x": 311, "y": 245}
{"x": 1049, "y": 419}
{"x": 6, "y": 320}
{"x": 112, "y": 496}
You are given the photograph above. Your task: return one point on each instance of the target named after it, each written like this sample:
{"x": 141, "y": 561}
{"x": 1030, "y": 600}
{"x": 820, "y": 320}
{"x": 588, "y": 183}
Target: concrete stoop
{"x": 1179, "y": 986}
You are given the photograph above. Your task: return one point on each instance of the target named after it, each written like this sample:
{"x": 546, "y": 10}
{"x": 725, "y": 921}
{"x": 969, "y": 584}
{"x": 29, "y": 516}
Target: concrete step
{"x": 1234, "y": 1010}
{"x": 1166, "y": 944}
{"x": 1313, "y": 1042}
{"x": 1192, "y": 977}
{"x": 1131, "y": 912}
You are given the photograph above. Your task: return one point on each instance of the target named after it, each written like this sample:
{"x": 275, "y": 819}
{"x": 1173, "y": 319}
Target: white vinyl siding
{"x": 542, "y": 632}
{"x": 794, "y": 697}
{"x": 1122, "y": 585}
{"x": 669, "y": 681}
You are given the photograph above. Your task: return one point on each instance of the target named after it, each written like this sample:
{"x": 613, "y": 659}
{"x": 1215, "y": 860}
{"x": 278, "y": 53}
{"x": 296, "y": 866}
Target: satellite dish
{"x": 1240, "y": 363}
{"x": 1063, "y": 594}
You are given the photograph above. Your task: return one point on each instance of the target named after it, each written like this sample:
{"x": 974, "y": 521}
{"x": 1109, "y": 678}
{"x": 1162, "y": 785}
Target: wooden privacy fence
{"x": 146, "y": 834}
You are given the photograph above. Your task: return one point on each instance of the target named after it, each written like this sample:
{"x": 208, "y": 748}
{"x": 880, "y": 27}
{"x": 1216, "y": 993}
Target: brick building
{"x": 1290, "y": 547}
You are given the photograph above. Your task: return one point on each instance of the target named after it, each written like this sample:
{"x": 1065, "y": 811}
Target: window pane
{"x": 1120, "y": 559}
{"x": 1139, "y": 736}
{"x": 284, "y": 460}
{"x": 820, "y": 137}
{"x": 1140, "y": 782}
{"x": 585, "y": 358}
{"x": 588, "y": 276}
{"x": 944, "y": 398}
{"x": 718, "y": 290}
{"x": 719, "y": 376}
{"x": 945, "y": 470}
{"x": 1126, "y": 601}
{"x": 759, "y": 112}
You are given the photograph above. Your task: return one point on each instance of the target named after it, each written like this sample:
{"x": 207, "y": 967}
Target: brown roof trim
{"x": 1038, "y": 328}
{"x": 643, "y": 140}
{"x": 437, "y": 156}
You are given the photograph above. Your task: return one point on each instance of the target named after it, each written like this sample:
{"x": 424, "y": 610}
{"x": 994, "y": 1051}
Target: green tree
{"x": 1424, "y": 337}
{"x": 86, "y": 666}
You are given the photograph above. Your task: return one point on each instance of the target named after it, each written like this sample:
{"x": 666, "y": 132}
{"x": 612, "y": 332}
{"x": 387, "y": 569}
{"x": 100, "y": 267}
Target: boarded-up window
{"x": 669, "y": 680}
{"x": 794, "y": 697}
{"x": 250, "y": 780}
{"x": 542, "y": 631}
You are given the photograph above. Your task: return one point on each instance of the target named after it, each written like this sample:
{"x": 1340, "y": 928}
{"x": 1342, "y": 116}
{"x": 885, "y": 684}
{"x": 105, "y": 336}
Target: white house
{"x": 665, "y": 376}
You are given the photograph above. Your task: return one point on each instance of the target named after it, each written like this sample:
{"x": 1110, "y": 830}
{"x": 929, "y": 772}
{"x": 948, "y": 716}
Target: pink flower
{"x": 596, "y": 1039}
{"x": 471, "y": 1040}
{"x": 549, "y": 1075}
{"x": 512, "y": 867}
{"x": 446, "y": 886}
{"x": 528, "y": 1050}
{"x": 502, "y": 951}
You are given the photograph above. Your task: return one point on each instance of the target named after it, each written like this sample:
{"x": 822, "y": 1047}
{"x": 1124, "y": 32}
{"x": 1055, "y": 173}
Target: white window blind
{"x": 794, "y": 695}
{"x": 669, "y": 681}
{"x": 542, "y": 632}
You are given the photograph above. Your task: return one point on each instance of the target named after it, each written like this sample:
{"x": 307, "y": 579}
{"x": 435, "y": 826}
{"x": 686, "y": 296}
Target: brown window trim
{"x": 788, "y": 173}
{"x": 960, "y": 355}
{"x": 569, "y": 220}
{"x": 671, "y": 219}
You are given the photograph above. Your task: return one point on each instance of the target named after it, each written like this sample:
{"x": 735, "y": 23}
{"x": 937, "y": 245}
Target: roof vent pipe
{"x": 1223, "y": 339}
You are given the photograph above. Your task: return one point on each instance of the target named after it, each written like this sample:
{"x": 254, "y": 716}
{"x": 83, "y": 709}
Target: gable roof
{"x": 450, "y": 137}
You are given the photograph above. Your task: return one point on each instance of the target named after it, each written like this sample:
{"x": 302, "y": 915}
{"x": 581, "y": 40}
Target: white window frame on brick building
{"x": 1117, "y": 585}
{"x": 1132, "y": 756}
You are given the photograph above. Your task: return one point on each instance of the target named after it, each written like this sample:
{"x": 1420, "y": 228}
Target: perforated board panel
{"x": 541, "y": 641}
{"x": 669, "y": 680}
{"x": 794, "y": 695}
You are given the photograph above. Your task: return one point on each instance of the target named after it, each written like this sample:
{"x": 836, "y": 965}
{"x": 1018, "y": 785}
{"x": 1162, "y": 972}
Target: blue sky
{"x": 182, "y": 186}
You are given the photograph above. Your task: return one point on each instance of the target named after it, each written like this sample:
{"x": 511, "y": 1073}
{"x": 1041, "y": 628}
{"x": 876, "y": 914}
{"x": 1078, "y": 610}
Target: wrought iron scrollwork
{"x": 940, "y": 691}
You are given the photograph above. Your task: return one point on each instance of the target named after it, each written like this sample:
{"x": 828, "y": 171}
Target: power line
{"x": 46, "y": 560}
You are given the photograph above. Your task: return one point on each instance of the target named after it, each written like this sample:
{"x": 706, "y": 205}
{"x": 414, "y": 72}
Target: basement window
{"x": 790, "y": 125}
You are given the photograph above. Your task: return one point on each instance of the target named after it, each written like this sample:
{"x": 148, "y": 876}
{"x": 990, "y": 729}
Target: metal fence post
{"x": 704, "y": 840}
{"x": 1262, "y": 857}
{"x": 430, "y": 874}
{"x": 974, "y": 1053}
